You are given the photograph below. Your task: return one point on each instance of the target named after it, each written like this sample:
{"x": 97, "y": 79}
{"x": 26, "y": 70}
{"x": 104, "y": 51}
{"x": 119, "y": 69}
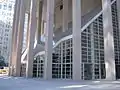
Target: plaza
{"x": 11, "y": 83}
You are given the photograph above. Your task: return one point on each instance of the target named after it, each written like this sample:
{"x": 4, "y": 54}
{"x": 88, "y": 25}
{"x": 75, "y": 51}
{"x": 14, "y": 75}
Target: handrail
{"x": 84, "y": 27}
{"x": 40, "y": 53}
{"x": 24, "y": 54}
{"x": 24, "y": 50}
{"x": 113, "y": 2}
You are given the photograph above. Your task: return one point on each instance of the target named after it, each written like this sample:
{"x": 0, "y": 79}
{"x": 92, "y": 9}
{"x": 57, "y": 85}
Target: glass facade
{"x": 93, "y": 64}
{"x": 38, "y": 66}
{"x": 116, "y": 33}
{"x": 92, "y": 52}
{"x": 62, "y": 60}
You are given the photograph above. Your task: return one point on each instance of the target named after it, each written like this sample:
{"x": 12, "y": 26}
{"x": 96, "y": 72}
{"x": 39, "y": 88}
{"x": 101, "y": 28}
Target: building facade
{"x": 6, "y": 20}
{"x": 85, "y": 35}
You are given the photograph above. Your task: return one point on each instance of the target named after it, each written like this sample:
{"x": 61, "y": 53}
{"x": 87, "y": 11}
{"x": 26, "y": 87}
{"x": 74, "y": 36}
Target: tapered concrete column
{"x": 32, "y": 30}
{"x": 19, "y": 39}
{"x": 65, "y": 15}
{"x": 76, "y": 14}
{"x": 14, "y": 36}
{"x": 49, "y": 39}
{"x": 108, "y": 40}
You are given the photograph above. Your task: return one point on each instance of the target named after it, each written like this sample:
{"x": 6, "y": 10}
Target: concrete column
{"x": 14, "y": 22}
{"x": 28, "y": 30}
{"x": 44, "y": 15}
{"x": 39, "y": 21}
{"x": 118, "y": 13}
{"x": 76, "y": 16}
{"x": 49, "y": 39}
{"x": 118, "y": 10}
{"x": 19, "y": 40}
{"x": 108, "y": 40}
{"x": 14, "y": 36}
{"x": 92, "y": 52}
{"x": 65, "y": 15}
{"x": 31, "y": 38}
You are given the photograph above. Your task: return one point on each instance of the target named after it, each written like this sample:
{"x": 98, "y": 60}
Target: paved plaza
{"x": 10, "y": 83}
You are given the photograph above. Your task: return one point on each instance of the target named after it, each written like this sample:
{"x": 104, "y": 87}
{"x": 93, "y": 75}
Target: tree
{"x": 2, "y": 61}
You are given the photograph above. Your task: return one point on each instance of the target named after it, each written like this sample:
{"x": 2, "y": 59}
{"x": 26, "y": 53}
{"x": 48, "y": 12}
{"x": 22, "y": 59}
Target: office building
{"x": 6, "y": 21}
